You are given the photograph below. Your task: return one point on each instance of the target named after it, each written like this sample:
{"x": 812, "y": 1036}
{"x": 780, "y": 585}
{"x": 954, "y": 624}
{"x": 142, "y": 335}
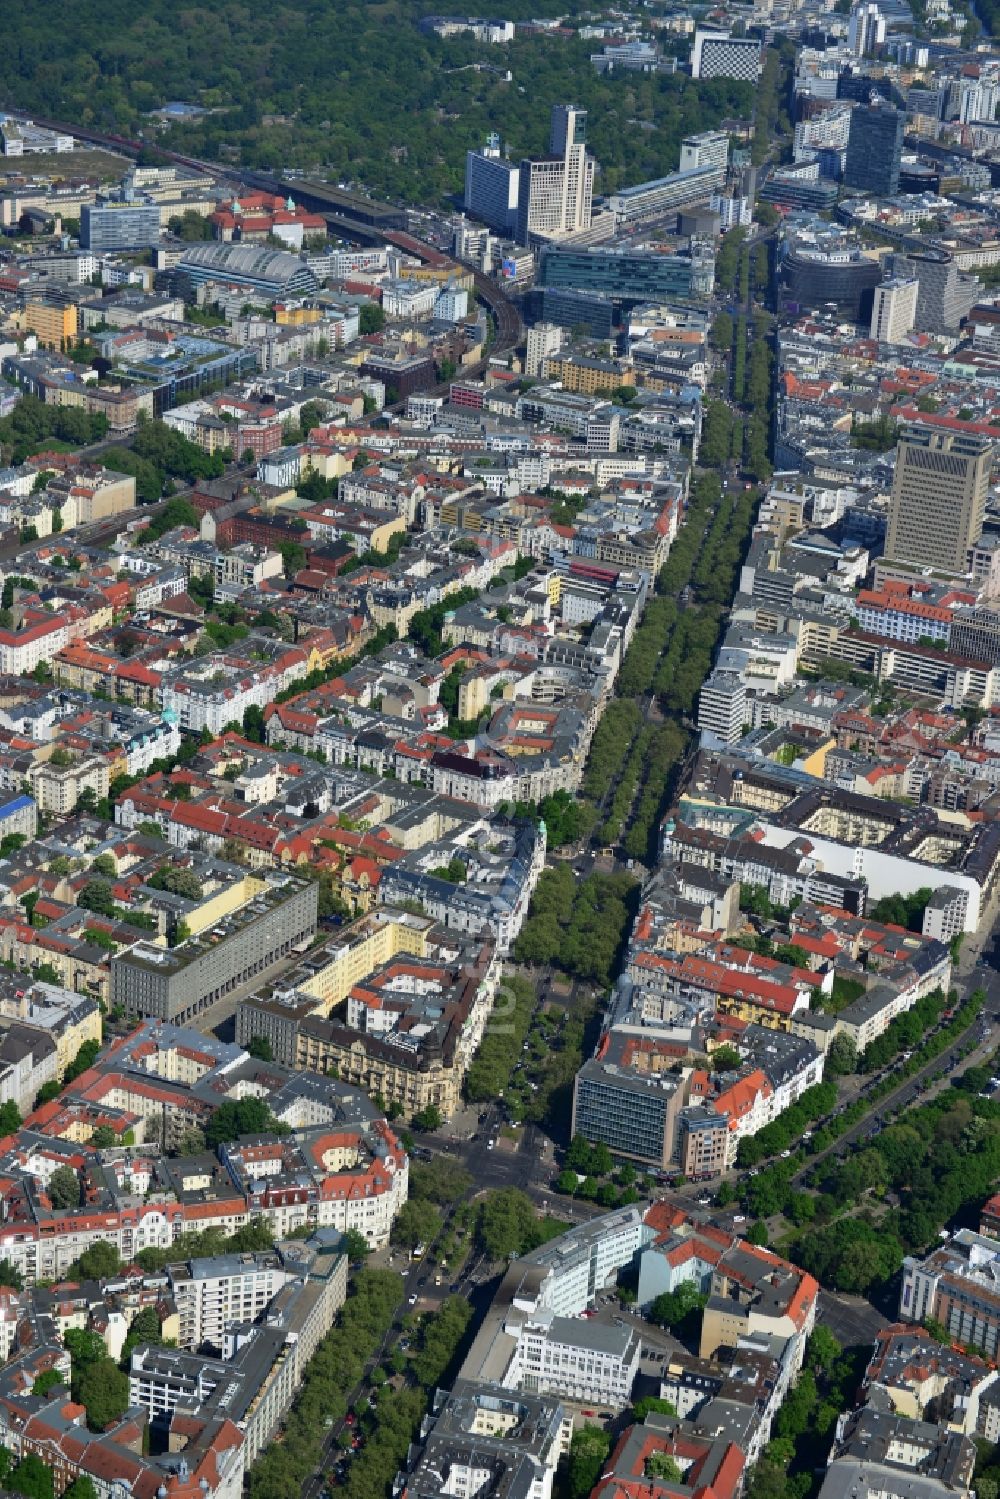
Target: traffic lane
{"x": 911, "y": 1089}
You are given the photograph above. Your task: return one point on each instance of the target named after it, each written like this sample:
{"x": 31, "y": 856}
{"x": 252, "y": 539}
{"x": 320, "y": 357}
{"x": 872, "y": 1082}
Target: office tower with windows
{"x": 938, "y": 496}
{"x": 945, "y": 296}
{"x": 866, "y": 30}
{"x": 491, "y": 187}
{"x": 875, "y": 150}
{"x": 717, "y": 54}
{"x": 555, "y": 192}
{"x": 710, "y": 148}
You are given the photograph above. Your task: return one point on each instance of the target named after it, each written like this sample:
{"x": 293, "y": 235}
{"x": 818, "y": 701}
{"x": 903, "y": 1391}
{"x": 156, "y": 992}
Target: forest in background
{"x": 353, "y": 91}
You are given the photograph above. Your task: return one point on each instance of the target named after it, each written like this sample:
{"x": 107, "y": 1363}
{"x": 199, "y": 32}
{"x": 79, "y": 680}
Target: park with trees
{"x": 399, "y": 119}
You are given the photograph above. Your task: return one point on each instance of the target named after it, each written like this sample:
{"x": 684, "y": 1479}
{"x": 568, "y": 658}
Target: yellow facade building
{"x": 54, "y": 325}
{"x": 362, "y": 948}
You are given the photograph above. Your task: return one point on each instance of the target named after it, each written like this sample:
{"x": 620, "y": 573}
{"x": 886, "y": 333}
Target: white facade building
{"x": 710, "y": 148}
{"x": 555, "y": 192}
{"x": 716, "y": 54}
{"x": 894, "y": 310}
{"x": 734, "y": 210}
{"x": 408, "y": 299}
{"x": 576, "y": 1359}
{"x": 582, "y": 1261}
{"x": 452, "y": 304}
{"x": 866, "y": 30}
{"x": 544, "y": 339}
{"x": 722, "y": 707}
{"x": 212, "y": 1293}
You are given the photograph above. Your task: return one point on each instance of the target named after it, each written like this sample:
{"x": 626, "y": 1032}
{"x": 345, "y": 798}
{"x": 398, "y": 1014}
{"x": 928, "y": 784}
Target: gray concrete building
{"x": 634, "y": 1113}
{"x": 946, "y": 294}
{"x": 178, "y": 984}
{"x": 975, "y": 634}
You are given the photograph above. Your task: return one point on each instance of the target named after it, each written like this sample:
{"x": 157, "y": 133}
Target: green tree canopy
{"x": 104, "y": 1393}
{"x": 244, "y": 1116}
{"x": 64, "y": 1188}
{"x": 32, "y": 1478}
{"x": 98, "y": 1262}
{"x": 97, "y": 895}
{"x": 416, "y": 1223}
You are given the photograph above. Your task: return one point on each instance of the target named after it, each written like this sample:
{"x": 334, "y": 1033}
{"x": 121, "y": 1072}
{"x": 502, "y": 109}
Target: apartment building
{"x": 544, "y": 340}
{"x": 480, "y": 1432}
{"x": 586, "y": 376}
{"x": 211, "y": 1294}
{"x": 57, "y": 787}
{"x": 891, "y": 847}
{"x": 339, "y": 1168}
{"x": 494, "y": 900}
{"x": 722, "y": 708}
{"x": 244, "y": 566}
{"x": 894, "y": 310}
{"x": 418, "y": 1000}
{"x": 900, "y": 613}
{"x": 261, "y": 1364}
{"x": 40, "y": 637}
{"x": 69, "y": 1018}
{"x": 709, "y": 1462}
{"x": 54, "y": 324}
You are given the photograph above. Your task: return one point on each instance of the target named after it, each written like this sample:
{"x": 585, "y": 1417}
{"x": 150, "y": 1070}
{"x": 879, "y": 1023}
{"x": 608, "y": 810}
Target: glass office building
{"x": 874, "y": 150}
{"x": 612, "y": 273}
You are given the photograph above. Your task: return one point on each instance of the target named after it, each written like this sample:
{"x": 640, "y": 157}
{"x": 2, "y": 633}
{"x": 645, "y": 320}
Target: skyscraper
{"x": 568, "y": 128}
{"x": 938, "y": 496}
{"x": 874, "y": 150}
{"x": 867, "y": 28}
{"x": 555, "y": 192}
{"x": 491, "y": 187}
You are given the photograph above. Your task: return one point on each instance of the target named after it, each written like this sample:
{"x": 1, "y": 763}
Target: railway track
{"x": 509, "y": 326}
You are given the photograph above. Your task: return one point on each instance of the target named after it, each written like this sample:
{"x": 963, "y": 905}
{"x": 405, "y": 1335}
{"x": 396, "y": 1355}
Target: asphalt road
{"x": 474, "y": 1282}
{"x": 985, "y": 976}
